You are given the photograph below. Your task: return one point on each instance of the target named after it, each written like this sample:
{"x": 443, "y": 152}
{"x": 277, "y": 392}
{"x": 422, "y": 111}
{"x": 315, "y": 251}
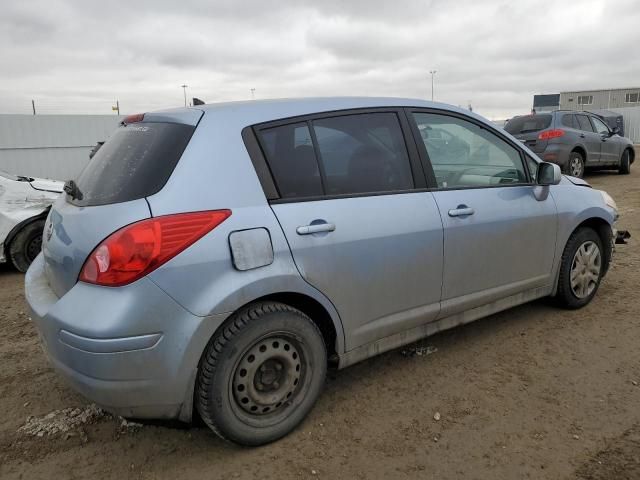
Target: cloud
{"x": 75, "y": 56}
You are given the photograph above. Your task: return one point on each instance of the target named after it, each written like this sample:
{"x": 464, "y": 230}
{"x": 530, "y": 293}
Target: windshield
{"x": 528, "y": 123}
{"x": 135, "y": 162}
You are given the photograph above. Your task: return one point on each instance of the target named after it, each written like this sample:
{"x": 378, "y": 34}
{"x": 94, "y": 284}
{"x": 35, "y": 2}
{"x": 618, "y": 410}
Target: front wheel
{"x": 581, "y": 269}
{"x": 625, "y": 163}
{"x": 262, "y": 374}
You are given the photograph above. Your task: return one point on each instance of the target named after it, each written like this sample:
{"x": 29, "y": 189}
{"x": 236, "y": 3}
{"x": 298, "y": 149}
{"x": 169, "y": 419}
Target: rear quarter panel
{"x": 215, "y": 172}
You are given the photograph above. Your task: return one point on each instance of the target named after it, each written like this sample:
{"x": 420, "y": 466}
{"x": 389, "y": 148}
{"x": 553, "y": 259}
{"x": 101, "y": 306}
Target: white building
{"x": 51, "y": 146}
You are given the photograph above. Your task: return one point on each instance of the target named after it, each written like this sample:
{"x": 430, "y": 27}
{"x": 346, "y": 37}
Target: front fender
{"x": 576, "y": 205}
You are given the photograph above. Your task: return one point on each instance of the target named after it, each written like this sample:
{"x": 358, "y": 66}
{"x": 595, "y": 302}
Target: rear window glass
{"x": 135, "y": 162}
{"x": 530, "y": 123}
{"x": 363, "y": 153}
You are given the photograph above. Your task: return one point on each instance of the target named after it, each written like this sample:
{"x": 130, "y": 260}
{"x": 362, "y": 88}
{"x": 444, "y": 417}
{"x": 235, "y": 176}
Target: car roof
{"x": 250, "y": 112}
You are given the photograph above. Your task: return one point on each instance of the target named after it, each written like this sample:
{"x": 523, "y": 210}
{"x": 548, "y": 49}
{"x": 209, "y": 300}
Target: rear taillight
{"x": 549, "y": 134}
{"x": 137, "y": 249}
{"x": 134, "y": 118}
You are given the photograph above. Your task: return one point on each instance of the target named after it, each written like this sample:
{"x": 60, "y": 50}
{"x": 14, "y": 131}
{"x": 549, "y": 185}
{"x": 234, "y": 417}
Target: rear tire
{"x": 625, "y": 163}
{"x": 261, "y": 374}
{"x": 581, "y": 269}
{"x": 26, "y": 245}
{"x": 575, "y": 166}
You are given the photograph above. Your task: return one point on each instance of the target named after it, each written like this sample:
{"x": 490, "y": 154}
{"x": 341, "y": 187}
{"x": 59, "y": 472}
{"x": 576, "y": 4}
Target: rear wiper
{"x": 72, "y": 190}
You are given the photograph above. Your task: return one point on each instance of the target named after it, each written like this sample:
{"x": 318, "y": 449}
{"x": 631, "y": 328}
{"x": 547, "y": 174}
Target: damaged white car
{"x": 24, "y": 205}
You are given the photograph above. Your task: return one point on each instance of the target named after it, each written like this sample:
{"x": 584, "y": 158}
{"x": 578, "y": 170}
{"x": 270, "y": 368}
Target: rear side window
{"x": 569, "y": 121}
{"x": 363, "y": 153}
{"x": 292, "y": 159}
{"x": 584, "y": 123}
{"x": 529, "y": 123}
{"x": 135, "y": 162}
{"x": 352, "y": 154}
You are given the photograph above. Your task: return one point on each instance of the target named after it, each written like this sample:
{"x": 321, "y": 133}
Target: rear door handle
{"x": 582, "y": 135}
{"x": 315, "y": 228}
{"x": 461, "y": 211}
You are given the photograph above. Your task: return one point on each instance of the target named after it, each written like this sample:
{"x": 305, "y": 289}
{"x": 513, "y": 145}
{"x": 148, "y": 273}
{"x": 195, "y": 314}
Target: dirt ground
{"x": 533, "y": 392}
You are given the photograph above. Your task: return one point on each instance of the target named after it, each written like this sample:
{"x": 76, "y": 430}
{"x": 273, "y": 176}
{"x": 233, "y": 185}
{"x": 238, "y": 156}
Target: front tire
{"x": 26, "y": 245}
{"x": 581, "y": 270}
{"x": 625, "y": 163}
{"x": 261, "y": 374}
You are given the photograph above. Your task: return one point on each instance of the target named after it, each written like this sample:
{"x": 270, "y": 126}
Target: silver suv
{"x": 219, "y": 258}
{"x": 574, "y": 140}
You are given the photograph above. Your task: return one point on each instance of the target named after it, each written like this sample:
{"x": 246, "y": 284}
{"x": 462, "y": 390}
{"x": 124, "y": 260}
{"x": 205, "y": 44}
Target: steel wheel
{"x": 576, "y": 169}
{"x": 269, "y": 376}
{"x": 585, "y": 269}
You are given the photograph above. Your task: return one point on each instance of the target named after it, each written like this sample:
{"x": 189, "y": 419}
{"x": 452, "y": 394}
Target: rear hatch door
{"x": 135, "y": 162}
{"x": 527, "y": 129}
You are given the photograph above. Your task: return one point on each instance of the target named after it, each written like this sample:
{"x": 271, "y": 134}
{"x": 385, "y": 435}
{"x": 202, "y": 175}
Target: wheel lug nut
{"x": 278, "y": 366}
{"x": 275, "y": 384}
{"x": 259, "y": 386}
{"x": 263, "y": 368}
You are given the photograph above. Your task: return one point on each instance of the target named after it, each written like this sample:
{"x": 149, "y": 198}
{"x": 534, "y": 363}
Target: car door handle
{"x": 315, "y": 228}
{"x": 582, "y": 135}
{"x": 461, "y": 211}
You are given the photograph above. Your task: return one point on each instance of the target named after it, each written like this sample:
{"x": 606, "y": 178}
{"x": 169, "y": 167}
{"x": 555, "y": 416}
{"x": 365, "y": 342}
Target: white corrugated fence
{"x": 51, "y": 146}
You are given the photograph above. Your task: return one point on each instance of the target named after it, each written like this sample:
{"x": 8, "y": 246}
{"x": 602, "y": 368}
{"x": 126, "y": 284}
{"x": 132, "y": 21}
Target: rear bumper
{"x": 132, "y": 350}
{"x": 556, "y": 153}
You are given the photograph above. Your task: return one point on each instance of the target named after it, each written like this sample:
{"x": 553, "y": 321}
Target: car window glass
{"x": 569, "y": 121}
{"x": 363, "y": 153}
{"x": 601, "y": 128}
{"x": 533, "y": 167}
{"x": 528, "y": 124}
{"x": 135, "y": 162}
{"x": 584, "y": 123}
{"x": 464, "y": 154}
{"x": 291, "y": 158}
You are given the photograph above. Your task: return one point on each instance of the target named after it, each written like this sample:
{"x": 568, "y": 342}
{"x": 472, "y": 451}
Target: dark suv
{"x": 573, "y": 140}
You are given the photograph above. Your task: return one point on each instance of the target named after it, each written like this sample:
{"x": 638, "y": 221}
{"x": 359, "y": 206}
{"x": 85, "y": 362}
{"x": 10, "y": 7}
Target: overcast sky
{"x": 80, "y": 56}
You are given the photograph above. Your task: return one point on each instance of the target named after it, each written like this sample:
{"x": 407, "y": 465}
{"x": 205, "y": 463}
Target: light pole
{"x": 184, "y": 88}
{"x": 432, "y": 72}
{"x": 253, "y": 94}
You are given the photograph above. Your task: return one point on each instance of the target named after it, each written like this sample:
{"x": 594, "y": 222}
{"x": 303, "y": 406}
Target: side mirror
{"x": 615, "y": 131}
{"x": 548, "y": 174}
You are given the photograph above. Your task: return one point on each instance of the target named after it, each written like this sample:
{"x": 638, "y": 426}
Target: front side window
{"x": 363, "y": 153}
{"x": 584, "y": 123}
{"x": 585, "y": 99}
{"x": 464, "y": 154}
{"x": 292, "y": 160}
{"x": 600, "y": 127}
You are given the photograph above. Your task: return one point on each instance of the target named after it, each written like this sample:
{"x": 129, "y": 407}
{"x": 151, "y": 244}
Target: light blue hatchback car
{"x": 217, "y": 259}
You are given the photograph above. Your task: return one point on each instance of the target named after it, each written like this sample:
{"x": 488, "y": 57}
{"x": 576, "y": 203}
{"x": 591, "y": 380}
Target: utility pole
{"x": 184, "y": 88}
{"x": 33, "y": 105}
{"x": 432, "y": 72}
{"x": 253, "y": 94}
{"x": 116, "y": 108}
